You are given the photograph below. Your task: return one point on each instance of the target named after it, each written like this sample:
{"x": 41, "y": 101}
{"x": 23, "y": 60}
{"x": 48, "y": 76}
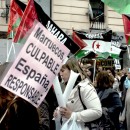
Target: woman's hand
{"x": 55, "y": 114}
{"x": 65, "y": 112}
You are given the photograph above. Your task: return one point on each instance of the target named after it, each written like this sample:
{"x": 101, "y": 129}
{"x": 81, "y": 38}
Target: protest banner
{"x": 34, "y": 11}
{"x": 104, "y": 36}
{"x": 56, "y": 30}
{"x": 39, "y": 61}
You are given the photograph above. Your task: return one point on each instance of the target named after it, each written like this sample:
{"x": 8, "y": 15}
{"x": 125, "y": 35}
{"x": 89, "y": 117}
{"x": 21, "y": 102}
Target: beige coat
{"x": 90, "y": 100}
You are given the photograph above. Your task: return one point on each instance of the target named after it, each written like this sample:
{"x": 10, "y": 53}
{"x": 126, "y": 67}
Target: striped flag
{"x": 101, "y": 48}
{"x": 126, "y": 22}
{"x": 27, "y": 21}
{"x": 34, "y": 11}
{"x": 16, "y": 12}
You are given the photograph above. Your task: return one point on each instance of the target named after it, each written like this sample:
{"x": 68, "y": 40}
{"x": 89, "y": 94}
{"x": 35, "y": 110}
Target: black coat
{"x": 110, "y": 99}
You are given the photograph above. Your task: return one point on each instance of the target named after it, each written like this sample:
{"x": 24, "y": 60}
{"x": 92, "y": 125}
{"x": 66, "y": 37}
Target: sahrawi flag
{"x": 16, "y": 12}
{"x": 27, "y": 21}
{"x": 101, "y": 48}
{"x": 120, "y": 6}
{"x": 126, "y": 22}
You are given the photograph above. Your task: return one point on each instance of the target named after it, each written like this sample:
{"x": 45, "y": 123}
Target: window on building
{"x": 98, "y": 10}
{"x": 3, "y": 35}
{"x": 98, "y": 14}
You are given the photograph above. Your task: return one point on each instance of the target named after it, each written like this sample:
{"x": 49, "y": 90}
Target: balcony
{"x": 98, "y": 20}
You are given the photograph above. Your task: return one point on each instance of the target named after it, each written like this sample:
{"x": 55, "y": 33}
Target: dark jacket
{"x": 121, "y": 85}
{"x": 20, "y": 116}
{"x": 52, "y": 105}
{"x": 110, "y": 99}
{"x": 123, "y": 89}
{"x": 44, "y": 116}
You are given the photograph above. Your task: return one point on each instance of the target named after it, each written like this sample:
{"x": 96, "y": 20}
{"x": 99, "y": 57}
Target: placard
{"x": 39, "y": 61}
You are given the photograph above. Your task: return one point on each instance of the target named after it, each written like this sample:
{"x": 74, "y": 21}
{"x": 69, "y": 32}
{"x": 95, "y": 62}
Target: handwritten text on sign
{"x": 36, "y": 66}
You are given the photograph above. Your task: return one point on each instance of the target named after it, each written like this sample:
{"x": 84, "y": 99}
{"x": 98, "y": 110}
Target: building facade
{"x": 74, "y": 14}
{"x": 71, "y": 14}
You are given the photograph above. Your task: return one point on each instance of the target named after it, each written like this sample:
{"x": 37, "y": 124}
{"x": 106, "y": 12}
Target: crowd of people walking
{"x": 106, "y": 89}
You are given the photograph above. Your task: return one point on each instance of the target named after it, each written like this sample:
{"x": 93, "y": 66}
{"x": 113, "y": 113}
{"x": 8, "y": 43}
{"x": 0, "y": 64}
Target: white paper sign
{"x": 117, "y": 64}
{"x": 36, "y": 66}
{"x": 117, "y": 67}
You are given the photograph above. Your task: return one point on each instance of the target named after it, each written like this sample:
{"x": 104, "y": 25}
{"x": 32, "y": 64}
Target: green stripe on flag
{"x": 82, "y": 53}
{"x": 114, "y": 56}
{"x": 120, "y": 6}
{"x": 129, "y": 41}
{"x": 16, "y": 24}
{"x": 14, "y": 27}
{"x": 104, "y": 55}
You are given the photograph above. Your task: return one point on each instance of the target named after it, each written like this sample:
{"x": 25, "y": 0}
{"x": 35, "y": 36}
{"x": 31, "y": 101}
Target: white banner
{"x": 36, "y": 66}
{"x": 58, "y": 92}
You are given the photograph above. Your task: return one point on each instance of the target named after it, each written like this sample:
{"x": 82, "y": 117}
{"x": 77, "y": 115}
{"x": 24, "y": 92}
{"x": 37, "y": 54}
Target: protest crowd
{"x": 48, "y": 87}
{"x": 107, "y": 90}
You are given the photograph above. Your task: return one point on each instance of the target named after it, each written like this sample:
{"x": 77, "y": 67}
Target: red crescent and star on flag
{"x": 95, "y": 44}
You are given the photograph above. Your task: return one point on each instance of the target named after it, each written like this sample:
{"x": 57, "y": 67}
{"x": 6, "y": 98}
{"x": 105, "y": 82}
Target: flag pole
{"x": 94, "y": 71}
{"x": 1, "y": 119}
{"x": 128, "y": 52}
{"x": 7, "y": 50}
{"x": 13, "y": 43}
{"x": 9, "y": 53}
{"x": 12, "y": 46}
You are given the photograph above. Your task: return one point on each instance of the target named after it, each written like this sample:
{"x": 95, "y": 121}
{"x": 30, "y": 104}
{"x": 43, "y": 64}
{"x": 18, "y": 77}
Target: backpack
{"x": 103, "y": 123}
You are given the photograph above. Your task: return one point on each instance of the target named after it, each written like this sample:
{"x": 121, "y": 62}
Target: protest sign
{"x": 39, "y": 61}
